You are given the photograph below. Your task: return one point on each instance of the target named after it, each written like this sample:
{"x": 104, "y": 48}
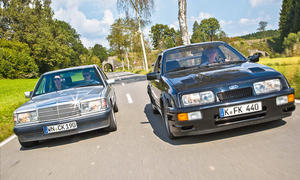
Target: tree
{"x": 195, "y": 26}
{"x": 162, "y": 36}
{"x": 289, "y": 21}
{"x": 210, "y": 27}
{"x": 53, "y": 44}
{"x": 262, "y": 26}
{"x": 182, "y": 22}
{"x": 15, "y": 60}
{"x": 142, "y": 10}
{"x": 100, "y": 51}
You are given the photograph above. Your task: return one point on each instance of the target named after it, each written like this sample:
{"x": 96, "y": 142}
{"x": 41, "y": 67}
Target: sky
{"x": 92, "y": 18}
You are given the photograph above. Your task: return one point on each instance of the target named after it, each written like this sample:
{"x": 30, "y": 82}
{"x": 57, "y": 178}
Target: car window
{"x": 157, "y": 67}
{"x": 67, "y": 79}
{"x": 200, "y": 55}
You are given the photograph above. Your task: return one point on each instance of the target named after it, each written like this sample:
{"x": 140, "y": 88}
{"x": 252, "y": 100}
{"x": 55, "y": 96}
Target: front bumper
{"x": 35, "y": 132}
{"x": 211, "y": 121}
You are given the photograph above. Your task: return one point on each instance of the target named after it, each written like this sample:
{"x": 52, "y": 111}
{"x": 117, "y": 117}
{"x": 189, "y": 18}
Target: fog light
{"x": 189, "y": 116}
{"x": 281, "y": 100}
{"x": 291, "y": 98}
{"x": 195, "y": 115}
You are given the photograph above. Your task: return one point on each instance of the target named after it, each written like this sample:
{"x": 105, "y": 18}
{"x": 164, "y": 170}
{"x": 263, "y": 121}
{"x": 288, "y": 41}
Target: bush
{"x": 15, "y": 60}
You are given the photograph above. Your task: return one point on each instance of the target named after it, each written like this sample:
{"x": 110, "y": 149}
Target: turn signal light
{"x": 291, "y": 98}
{"x": 183, "y": 117}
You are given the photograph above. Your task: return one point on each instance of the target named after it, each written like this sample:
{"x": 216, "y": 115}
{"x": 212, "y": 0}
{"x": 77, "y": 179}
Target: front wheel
{"x": 113, "y": 122}
{"x": 167, "y": 126}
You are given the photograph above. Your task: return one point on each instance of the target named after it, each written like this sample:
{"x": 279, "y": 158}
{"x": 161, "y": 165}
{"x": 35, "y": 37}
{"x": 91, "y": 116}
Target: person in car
{"x": 209, "y": 56}
{"x": 58, "y": 82}
{"x": 87, "y": 75}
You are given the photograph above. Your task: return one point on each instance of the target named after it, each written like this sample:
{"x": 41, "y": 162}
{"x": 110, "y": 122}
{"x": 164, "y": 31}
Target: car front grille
{"x": 235, "y": 94}
{"x": 58, "y": 112}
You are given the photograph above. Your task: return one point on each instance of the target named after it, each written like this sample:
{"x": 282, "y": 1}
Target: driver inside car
{"x": 209, "y": 56}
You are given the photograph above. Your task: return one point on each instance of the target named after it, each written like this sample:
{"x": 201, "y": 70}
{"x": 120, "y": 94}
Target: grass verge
{"x": 289, "y": 67}
{"x": 11, "y": 97}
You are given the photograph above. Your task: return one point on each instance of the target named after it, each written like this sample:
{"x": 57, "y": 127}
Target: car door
{"x": 156, "y": 84}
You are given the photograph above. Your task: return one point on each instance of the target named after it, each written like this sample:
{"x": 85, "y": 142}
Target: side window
{"x": 41, "y": 88}
{"x": 157, "y": 67}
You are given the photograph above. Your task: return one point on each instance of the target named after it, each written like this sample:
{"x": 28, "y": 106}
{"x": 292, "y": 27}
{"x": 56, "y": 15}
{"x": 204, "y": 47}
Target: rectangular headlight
{"x": 267, "y": 86}
{"x": 93, "y": 106}
{"x": 201, "y": 98}
{"x": 26, "y": 117}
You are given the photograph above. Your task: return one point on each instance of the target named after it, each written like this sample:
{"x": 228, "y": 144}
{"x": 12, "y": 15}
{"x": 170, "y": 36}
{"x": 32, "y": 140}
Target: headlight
{"x": 93, "y": 106}
{"x": 267, "y": 86}
{"x": 198, "y": 98}
{"x": 26, "y": 117}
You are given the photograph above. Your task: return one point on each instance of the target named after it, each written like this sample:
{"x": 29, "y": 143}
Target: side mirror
{"x": 152, "y": 76}
{"x": 254, "y": 58}
{"x": 28, "y": 94}
{"x": 110, "y": 81}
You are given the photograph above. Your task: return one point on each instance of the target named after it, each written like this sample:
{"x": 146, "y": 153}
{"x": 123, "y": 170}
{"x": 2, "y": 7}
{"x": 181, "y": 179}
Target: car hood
{"x": 72, "y": 96}
{"x": 219, "y": 76}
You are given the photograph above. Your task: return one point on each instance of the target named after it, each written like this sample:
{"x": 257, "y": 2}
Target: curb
{"x": 7, "y": 140}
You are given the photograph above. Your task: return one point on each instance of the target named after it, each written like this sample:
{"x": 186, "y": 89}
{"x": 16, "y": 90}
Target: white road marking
{"x": 7, "y": 140}
{"x": 129, "y": 98}
{"x": 212, "y": 168}
{"x": 123, "y": 84}
{"x": 297, "y": 101}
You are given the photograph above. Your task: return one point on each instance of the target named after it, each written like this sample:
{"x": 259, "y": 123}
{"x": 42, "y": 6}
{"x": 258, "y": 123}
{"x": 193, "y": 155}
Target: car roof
{"x": 195, "y": 44}
{"x": 71, "y": 68}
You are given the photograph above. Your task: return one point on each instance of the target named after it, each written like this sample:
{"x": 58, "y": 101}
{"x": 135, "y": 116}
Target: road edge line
{"x": 7, "y": 140}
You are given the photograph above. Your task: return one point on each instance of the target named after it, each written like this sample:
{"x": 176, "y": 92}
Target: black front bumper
{"x": 35, "y": 132}
{"x": 211, "y": 121}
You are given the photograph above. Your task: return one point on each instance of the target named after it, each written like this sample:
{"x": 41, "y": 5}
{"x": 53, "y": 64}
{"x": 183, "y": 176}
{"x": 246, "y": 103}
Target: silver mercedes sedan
{"x": 66, "y": 102}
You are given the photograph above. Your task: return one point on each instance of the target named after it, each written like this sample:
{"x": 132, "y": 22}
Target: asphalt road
{"x": 140, "y": 149}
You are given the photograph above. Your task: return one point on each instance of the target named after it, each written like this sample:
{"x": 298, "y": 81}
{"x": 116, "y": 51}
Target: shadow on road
{"x": 159, "y": 130}
{"x": 67, "y": 139}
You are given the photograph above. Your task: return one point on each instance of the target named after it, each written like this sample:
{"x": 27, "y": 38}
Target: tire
{"x": 28, "y": 144}
{"x": 167, "y": 126}
{"x": 113, "y": 122}
{"x": 154, "y": 110}
{"x": 116, "y": 108}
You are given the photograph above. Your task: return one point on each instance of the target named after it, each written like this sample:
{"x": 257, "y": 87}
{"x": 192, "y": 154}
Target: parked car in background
{"x": 66, "y": 102}
{"x": 209, "y": 87}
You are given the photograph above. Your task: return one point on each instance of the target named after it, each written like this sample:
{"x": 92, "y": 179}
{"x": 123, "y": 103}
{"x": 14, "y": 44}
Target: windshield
{"x": 67, "y": 79}
{"x": 201, "y": 55}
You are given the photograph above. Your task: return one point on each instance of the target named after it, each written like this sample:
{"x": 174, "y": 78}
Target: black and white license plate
{"x": 60, "y": 127}
{"x": 240, "y": 109}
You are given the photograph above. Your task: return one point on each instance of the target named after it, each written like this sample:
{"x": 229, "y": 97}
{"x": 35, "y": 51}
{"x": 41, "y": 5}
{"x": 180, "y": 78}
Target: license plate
{"x": 240, "y": 109}
{"x": 60, "y": 127}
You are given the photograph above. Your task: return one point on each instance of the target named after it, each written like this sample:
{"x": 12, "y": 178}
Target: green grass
{"x": 11, "y": 97}
{"x": 289, "y": 67}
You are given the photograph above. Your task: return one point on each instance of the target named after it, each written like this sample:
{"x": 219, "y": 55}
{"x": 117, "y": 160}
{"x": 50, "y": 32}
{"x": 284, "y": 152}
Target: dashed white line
{"x": 129, "y": 98}
{"x": 123, "y": 84}
{"x": 7, "y": 140}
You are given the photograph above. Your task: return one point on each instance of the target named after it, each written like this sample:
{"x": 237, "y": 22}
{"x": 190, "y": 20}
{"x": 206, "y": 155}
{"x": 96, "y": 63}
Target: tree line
{"x": 33, "y": 42}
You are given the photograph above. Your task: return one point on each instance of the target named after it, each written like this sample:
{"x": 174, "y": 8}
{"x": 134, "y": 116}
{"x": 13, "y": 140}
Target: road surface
{"x": 140, "y": 149}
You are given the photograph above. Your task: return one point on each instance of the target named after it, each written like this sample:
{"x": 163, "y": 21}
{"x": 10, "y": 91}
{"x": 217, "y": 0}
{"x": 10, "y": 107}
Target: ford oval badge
{"x": 233, "y": 87}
